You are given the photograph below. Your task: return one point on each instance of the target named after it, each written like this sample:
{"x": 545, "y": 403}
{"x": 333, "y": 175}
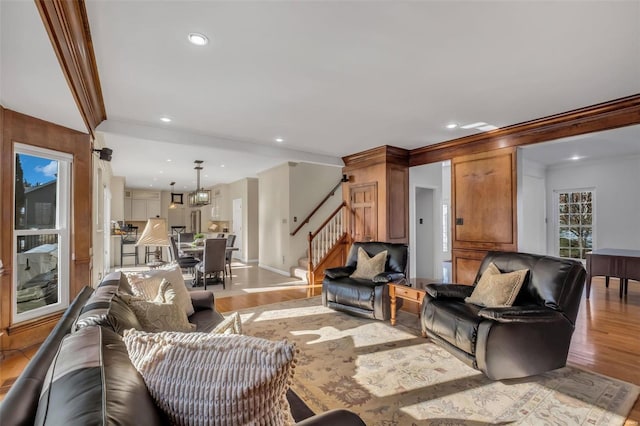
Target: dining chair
{"x": 213, "y": 261}
{"x": 231, "y": 240}
{"x": 128, "y": 238}
{"x": 184, "y": 261}
{"x": 185, "y": 238}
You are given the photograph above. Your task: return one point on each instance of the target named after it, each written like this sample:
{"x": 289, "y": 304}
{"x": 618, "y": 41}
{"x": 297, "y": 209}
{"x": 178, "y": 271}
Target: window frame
{"x": 62, "y": 230}
{"x": 556, "y": 213}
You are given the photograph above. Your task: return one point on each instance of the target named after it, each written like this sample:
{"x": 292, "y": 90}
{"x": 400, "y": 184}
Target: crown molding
{"x": 594, "y": 118}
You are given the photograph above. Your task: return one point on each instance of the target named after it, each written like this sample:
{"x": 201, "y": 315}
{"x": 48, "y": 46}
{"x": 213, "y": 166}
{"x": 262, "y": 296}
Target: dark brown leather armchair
{"x": 529, "y": 338}
{"x": 366, "y": 298}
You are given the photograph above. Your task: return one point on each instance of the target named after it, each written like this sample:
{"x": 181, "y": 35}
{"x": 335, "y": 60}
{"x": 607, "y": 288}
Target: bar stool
{"x": 128, "y": 239}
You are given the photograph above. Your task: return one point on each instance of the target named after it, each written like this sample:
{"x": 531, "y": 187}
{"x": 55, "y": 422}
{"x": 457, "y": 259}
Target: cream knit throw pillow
{"x": 213, "y": 379}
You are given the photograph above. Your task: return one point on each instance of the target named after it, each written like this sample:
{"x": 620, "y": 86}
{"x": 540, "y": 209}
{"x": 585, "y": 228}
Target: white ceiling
{"x": 624, "y": 141}
{"x": 331, "y": 78}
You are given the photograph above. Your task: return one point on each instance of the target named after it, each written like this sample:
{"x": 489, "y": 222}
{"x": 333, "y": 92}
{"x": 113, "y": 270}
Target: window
{"x": 575, "y": 223}
{"x": 41, "y": 231}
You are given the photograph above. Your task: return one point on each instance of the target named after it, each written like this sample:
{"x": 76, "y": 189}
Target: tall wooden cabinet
{"x": 483, "y": 205}
{"x": 378, "y": 194}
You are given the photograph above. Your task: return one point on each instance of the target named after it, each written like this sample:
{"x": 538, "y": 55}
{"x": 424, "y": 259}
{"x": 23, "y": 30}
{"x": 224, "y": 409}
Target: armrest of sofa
{"x": 337, "y": 417}
{"x": 387, "y": 277}
{"x": 454, "y": 291}
{"x": 202, "y": 299}
{"x": 528, "y": 314}
{"x": 339, "y": 272}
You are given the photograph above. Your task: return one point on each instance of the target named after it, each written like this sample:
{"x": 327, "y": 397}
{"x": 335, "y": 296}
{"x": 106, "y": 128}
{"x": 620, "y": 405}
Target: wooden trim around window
{"x": 16, "y": 127}
{"x": 608, "y": 115}
{"x": 67, "y": 24}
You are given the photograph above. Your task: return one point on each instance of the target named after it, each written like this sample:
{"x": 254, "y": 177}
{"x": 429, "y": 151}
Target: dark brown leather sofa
{"x": 112, "y": 392}
{"x": 365, "y": 298}
{"x": 529, "y": 338}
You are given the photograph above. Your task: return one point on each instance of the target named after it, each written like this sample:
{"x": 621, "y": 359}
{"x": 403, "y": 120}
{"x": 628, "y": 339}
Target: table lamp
{"x": 155, "y": 234}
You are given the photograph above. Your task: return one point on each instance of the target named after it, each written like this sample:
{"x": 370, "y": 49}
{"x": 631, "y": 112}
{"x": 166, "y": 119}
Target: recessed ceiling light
{"x": 452, "y": 125}
{"x": 473, "y": 125}
{"x": 576, "y": 157}
{"x": 221, "y": 165}
{"x": 169, "y": 160}
{"x": 279, "y": 140}
{"x": 198, "y": 39}
{"x": 165, "y": 119}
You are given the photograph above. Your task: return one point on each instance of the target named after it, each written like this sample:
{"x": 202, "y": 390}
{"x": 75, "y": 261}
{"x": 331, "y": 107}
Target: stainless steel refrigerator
{"x": 195, "y": 221}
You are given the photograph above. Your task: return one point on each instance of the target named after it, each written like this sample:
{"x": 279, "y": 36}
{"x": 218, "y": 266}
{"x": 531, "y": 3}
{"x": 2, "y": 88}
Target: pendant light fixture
{"x": 201, "y": 196}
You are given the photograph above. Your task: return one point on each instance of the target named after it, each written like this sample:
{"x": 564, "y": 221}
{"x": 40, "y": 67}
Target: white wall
{"x": 428, "y": 176}
{"x": 617, "y": 199}
{"x": 310, "y": 184}
{"x": 290, "y": 191}
{"x": 273, "y": 205}
{"x": 117, "y": 197}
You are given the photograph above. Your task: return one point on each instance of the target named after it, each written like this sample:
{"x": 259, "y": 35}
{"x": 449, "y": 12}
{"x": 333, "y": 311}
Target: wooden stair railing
{"x": 324, "y": 200}
{"x": 326, "y": 238}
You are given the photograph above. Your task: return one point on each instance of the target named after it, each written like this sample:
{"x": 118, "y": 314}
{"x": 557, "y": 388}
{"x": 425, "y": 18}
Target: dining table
{"x": 197, "y": 251}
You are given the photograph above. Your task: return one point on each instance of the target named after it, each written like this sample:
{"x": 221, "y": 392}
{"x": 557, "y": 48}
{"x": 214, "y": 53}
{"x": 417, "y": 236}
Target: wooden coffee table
{"x": 415, "y": 293}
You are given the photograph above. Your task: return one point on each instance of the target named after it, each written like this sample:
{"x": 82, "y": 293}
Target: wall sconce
{"x": 105, "y": 153}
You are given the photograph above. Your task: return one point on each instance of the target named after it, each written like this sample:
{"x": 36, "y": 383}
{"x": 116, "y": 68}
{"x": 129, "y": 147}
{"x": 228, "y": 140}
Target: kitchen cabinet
{"x": 141, "y": 205}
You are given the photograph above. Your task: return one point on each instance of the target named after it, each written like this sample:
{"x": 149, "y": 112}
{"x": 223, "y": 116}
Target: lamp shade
{"x": 155, "y": 233}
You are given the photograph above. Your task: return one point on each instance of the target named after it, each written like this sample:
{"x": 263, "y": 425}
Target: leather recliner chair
{"x": 528, "y": 338}
{"x": 365, "y": 298}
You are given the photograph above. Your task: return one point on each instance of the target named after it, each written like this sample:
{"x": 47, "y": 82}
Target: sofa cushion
{"x": 368, "y": 267}
{"x": 199, "y": 378}
{"x": 147, "y": 283}
{"x": 351, "y": 292}
{"x": 106, "y": 308}
{"x": 92, "y": 381}
{"x": 456, "y": 323}
{"x": 496, "y": 289}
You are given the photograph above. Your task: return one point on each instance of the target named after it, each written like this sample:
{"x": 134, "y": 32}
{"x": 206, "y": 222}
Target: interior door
{"x": 237, "y": 226}
{"x": 364, "y": 207}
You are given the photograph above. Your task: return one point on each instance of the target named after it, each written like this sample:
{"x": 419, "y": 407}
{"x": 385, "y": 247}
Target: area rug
{"x": 392, "y": 376}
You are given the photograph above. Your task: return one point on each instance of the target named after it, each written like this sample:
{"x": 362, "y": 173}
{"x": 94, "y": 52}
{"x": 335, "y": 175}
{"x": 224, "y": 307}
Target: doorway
{"x": 237, "y": 226}
{"x": 425, "y": 233}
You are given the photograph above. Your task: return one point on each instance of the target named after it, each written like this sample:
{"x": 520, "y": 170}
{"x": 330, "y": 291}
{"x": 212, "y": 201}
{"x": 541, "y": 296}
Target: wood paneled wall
{"x": 483, "y": 206}
{"x": 378, "y": 180}
{"x": 16, "y": 127}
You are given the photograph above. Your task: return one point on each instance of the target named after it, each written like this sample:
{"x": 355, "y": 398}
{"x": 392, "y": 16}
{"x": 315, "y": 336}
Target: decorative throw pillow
{"x": 230, "y": 325}
{"x": 368, "y": 267}
{"x": 199, "y": 378}
{"x": 147, "y": 283}
{"x": 161, "y": 314}
{"x": 106, "y": 307}
{"x": 495, "y": 289}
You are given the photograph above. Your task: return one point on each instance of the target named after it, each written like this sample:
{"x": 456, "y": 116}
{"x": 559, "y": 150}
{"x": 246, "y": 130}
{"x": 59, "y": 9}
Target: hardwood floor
{"x": 606, "y": 339}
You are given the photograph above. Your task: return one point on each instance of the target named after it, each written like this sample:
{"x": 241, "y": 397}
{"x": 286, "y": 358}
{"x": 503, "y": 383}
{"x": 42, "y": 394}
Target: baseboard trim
{"x": 277, "y": 271}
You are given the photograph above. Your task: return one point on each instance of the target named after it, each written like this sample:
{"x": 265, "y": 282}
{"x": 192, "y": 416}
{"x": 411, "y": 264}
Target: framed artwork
{"x": 176, "y": 198}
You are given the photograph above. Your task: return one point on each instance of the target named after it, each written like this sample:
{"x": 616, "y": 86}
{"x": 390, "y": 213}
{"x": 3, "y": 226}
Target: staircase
{"x": 301, "y": 270}
{"x": 327, "y": 246}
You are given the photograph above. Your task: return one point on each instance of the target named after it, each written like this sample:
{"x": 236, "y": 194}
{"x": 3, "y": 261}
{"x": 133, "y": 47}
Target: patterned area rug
{"x": 392, "y": 376}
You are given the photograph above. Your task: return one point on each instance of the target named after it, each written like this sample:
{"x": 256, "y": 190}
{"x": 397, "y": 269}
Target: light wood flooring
{"x": 606, "y": 340}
